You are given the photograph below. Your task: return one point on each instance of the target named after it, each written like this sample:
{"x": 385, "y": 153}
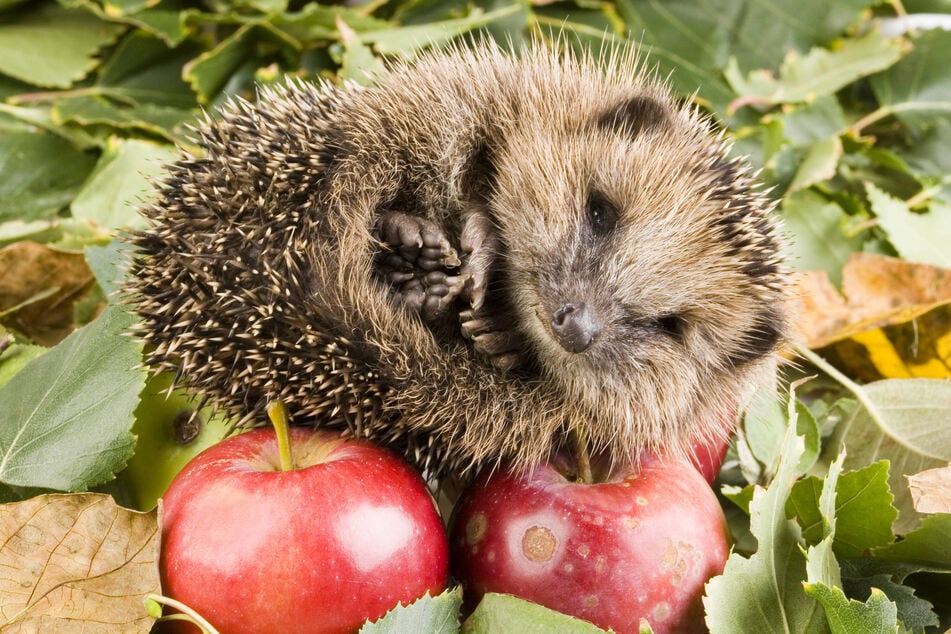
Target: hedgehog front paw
{"x": 490, "y": 338}
{"x": 420, "y": 242}
{"x": 417, "y": 259}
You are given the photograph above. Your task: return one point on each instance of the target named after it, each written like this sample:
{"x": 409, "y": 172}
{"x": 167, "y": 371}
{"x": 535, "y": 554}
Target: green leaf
{"x": 918, "y": 88}
{"x": 15, "y": 357}
{"x": 39, "y": 174}
{"x": 764, "y": 592}
{"x": 859, "y": 576}
{"x": 863, "y": 510}
{"x": 918, "y": 237}
{"x": 818, "y": 239}
{"x": 53, "y": 46}
{"x": 910, "y": 430}
{"x": 209, "y": 73}
{"x": 120, "y": 181}
{"x": 694, "y": 41}
{"x": 108, "y": 264}
{"x": 406, "y": 40}
{"x": 315, "y": 22}
{"x": 764, "y": 431}
{"x": 439, "y": 615}
{"x": 358, "y": 61}
{"x": 504, "y": 613}
{"x": 821, "y": 564}
{"x": 149, "y": 118}
{"x": 818, "y": 165}
{"x": 878, "y": 615}
{"x": 142, "y": 68}
{"x": 819, "y": 73}
{"x": 809, "y": 123}
{"x": 928, "y": 545}
{"x": 68, "y": 412}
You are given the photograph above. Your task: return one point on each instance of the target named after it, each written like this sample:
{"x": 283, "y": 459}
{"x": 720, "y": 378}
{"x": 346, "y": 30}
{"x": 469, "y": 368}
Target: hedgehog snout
{"x": 575, "y": 326}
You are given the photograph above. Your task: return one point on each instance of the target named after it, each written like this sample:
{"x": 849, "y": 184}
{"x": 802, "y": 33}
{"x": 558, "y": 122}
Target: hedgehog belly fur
{"x": 466, "y": 260}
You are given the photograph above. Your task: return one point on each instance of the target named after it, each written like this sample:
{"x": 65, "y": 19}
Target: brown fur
{"x": 257, "y": 281}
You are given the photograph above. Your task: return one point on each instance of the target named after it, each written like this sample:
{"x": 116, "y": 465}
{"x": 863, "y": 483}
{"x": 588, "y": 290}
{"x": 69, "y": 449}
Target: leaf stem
{"x": 187, "y": 613}
{"x": 278, "y": 415}
{"x": 876, "y": 115}
{"x": 860, "y": 394}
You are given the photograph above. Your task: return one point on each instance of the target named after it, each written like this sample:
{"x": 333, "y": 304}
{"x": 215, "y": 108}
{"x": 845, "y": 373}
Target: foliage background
{"x": 845, "y": 106}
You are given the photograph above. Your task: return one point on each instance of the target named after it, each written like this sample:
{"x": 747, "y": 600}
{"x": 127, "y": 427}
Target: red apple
{"x": 343, "y": 537}
{"x": 708, "y": 452}
{"x": 637, "y": 546}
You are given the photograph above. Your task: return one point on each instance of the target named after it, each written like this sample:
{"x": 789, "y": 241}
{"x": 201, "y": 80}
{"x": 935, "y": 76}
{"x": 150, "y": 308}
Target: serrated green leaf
{"x": 764, "y": 430}
{"x": 315, "y": 22}
{"x": 878, "y": 615}
{"x": 929, "y": 545}
{"x": 693, "y": 41}
{"x": 818, "y": 164}
{"x": 150, "y": 118}
{"x": 917, "y": 237}
{"x": 504, "y": 613}
{"x": 15, "y": 357}
{"x": 39, "y": 174}
{"x": 53, "y": 46}
{"x": 863, "y": 509}
{"x": 68, "y": 412}
{"x": 821, "y": 564}
{"x": 818, "y": 73}
{"x": 406, "y": 40}
{"x": 120, "y": 181}
{"x": 439, "y": 615}
{"x": 818, "y": 240}
{"x": 809, "y": 123}
{"x": 764, "y": 593}
{"x": 212, "y": 71}
{"x": 144, "y": 69}
{"x": 910, "y": 431}
{"x": 859, "y": 576}
{"x": 108, "y": 264}
{"x": 918, "y": 88}
{"x": 358, "y": 62}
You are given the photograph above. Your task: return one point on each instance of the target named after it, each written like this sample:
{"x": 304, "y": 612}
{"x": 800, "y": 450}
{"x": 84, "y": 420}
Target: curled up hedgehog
{"x": 467, "y": 261}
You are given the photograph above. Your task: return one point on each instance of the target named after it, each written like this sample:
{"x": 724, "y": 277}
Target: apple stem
{"x": 278, "y": 415}
{"x": 581, "y": 456}
{"x": 187, "y": 613}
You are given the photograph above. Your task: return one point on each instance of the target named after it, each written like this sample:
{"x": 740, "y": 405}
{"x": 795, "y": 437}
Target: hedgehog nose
{"x": 575, "y": 327}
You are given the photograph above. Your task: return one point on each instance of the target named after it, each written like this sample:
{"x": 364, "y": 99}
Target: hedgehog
{"x": 480, "y": 258}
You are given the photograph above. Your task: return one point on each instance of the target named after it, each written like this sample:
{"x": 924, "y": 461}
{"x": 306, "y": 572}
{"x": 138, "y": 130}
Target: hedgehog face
{"x": 644, "y": 265}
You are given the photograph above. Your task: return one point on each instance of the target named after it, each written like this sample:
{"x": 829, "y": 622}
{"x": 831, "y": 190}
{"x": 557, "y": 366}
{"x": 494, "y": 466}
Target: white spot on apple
{"x": 475, "y": 529}
{"x": 374, "y": 534}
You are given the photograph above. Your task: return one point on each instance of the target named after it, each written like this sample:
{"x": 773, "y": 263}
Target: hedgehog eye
{"x": 670, "y": 325}
{"x": 601, "y": 214}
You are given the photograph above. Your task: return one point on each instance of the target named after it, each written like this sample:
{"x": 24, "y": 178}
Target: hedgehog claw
{"x": 479, "y": 245}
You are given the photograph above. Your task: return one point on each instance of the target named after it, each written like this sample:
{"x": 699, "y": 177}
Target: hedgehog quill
{"x": 467, "y": 260}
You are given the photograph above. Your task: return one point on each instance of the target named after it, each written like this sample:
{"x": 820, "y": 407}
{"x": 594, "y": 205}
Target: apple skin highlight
{"x": 343, "y": 537}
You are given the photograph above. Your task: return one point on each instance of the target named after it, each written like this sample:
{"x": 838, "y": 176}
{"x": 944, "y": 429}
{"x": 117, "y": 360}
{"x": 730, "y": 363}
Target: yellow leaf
{"x": 892, "y": 320}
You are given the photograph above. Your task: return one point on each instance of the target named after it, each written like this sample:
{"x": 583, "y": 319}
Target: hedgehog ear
{"x": 633, "y": 116}
{"x": 761, "y": 339}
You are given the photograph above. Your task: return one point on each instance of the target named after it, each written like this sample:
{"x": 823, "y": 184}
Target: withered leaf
{"x": 76, "y": 563}
{"x": 29, "y": 272}
{"x": 892, "y": 320}
{"x": 931, "y": 490}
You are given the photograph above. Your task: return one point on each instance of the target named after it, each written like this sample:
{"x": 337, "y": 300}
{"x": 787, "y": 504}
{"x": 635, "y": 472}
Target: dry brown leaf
{"x": 76, "y": 563}
{"x": 931, "y": 490}
{"x": 892, "y": 320}
{"x": 28, "y": 273}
